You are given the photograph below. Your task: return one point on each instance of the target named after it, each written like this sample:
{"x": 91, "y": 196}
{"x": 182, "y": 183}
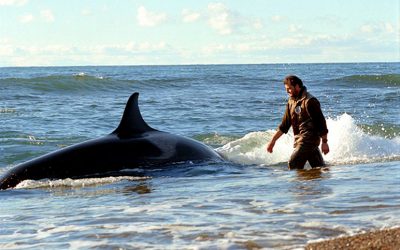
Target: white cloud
{"x": 13, "y": 2}
{"x": 213, "y": 48}
{"x": 294, "y": 28}
{"x": 277, "y": 18}
{"x": 146, "y": 46}
{"x": 47, "y": 15}
{"x": 59, "y": 54}
{"x": 26, "y": 18}
{"x": 258, "y": 24}
{"x": 237, "y": 48}
{"x": 6, "y": 49}
{"x": 226, "y": 21}
{"x": 389, "y": 28}
{"x": 86, "y": 12}
{"x": 149, "y": 19}
{"x": 189, "y": 16}
{"x": 220, "y": 18}
{"x": 366, "y": 28}
{"x": 260, "y": 44}
{"x": 133, "y": 47}
{"x": 377, "y": 28}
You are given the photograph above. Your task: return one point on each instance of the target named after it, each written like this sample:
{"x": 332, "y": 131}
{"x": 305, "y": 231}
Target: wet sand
{"x": 386, "y": 239}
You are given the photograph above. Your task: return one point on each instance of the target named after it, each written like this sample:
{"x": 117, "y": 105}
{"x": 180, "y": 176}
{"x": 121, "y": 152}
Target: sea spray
{"x": 348, "y": 143}
{"x": 251, "y": 149}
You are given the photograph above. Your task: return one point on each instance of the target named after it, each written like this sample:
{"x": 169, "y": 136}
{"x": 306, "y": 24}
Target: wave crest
{"x": 348, "y": 143}
{"x": 75, "y": 82}
{"x": 374, "y": 80}
{"x": 83, "y": 81}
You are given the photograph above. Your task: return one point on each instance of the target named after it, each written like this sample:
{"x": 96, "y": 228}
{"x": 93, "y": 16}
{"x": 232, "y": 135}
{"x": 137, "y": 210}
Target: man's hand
{"x": 325, "y": 148}
{"x": 270, "y": 146}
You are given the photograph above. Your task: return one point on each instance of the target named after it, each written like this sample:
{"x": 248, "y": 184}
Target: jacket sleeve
{"x": 314, "y": 110}
{"x": 286, "y": 123}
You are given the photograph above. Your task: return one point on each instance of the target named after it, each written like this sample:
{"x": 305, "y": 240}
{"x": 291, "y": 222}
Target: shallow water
{"x": 251, "y": 200}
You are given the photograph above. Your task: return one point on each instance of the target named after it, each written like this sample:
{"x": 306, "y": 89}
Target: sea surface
{"x": 250, "y": 201}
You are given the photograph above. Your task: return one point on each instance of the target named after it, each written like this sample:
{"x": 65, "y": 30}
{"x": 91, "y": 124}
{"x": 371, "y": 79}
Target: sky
{"x": 177, "y": 32}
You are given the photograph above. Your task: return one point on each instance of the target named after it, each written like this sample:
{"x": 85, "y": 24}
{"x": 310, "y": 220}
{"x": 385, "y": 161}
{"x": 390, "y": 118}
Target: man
{"x": 303, "y": 113}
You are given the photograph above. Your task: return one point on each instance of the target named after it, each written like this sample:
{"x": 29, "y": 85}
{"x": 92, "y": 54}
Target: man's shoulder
{"x": 309, "y": 96}
{"x": 312, "y": 104}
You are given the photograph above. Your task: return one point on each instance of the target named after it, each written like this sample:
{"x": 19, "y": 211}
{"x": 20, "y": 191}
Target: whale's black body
{"x": 133, "y": 144}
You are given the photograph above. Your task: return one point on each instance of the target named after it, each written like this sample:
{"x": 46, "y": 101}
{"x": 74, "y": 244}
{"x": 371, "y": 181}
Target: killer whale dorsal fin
{"x": 132, "y": 122}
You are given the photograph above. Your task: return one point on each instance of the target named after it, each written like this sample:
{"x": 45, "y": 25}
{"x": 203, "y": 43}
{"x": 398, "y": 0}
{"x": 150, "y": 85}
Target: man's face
{"x": 293, "y": 91}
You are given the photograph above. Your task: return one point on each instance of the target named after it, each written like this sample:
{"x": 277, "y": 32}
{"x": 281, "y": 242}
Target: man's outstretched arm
{"x": 271, "y": 144}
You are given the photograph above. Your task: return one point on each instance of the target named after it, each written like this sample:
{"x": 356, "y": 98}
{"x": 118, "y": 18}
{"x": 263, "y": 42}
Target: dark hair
{"x": 293, "y": 80}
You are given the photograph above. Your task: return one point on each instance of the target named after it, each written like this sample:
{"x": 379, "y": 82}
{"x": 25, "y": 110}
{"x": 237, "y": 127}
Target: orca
{"x": 133, "y": 145}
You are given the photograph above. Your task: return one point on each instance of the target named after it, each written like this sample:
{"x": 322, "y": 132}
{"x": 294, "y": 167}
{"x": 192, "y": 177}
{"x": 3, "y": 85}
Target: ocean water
{"x": 250, "y": 201}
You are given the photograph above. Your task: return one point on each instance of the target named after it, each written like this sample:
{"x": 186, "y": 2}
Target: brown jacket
{"x": 305, "y": 116}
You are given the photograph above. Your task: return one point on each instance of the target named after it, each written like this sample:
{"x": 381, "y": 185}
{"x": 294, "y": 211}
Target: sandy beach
{"x": 386, "y": 239}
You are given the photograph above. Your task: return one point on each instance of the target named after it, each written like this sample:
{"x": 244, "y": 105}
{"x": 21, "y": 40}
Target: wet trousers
{"x": 303, "y": 153}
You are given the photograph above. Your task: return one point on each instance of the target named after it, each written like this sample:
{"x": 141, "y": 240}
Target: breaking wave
{"x": 348, "y": 142}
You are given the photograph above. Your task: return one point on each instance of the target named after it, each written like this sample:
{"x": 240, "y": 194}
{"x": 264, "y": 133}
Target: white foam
{"x": 85, "y": 244}
{"x": 348, "y": 144}
{"x": 251, "y": 149}
{"x": 80, "y": 74}
{"x": 74, "y": 182}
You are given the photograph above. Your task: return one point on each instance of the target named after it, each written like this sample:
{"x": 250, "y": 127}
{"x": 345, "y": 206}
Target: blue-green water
{"x": 251, "y": 200}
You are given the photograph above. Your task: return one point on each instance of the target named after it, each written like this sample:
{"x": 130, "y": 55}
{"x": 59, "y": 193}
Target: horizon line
{"x": 190, "y": 64}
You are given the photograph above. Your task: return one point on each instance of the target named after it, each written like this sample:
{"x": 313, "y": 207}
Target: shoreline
{"x": 384, "y": 239}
